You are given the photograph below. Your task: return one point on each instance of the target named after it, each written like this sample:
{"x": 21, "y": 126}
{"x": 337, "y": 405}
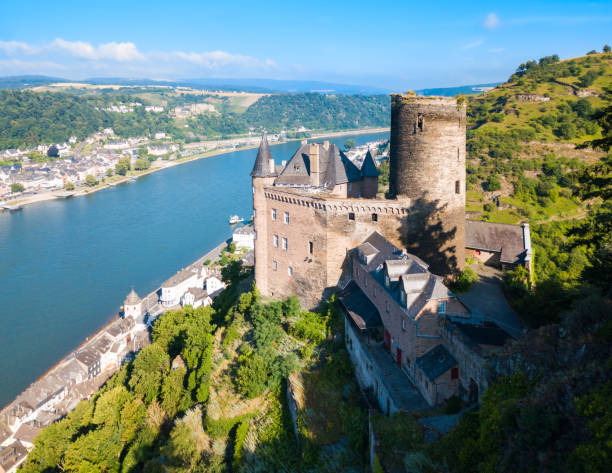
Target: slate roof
{"x": 359, "y": 308}
{"x": 436, "y": 362}
{"x": 132, "y": 298}
{"x": 489, "y": 334}
{"x": 498, "y": 237}
{"x": 261, "y": 167}
{"x": 334, "y": 168}
{"x": 368, "y": 168}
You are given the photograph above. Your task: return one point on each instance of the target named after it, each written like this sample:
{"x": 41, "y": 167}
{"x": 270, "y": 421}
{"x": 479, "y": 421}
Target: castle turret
{"x": 369, "y": 176}
{"x": 263, "y": 174}
{"x": 132, "y": 307}
{"x": 427, "y": 165}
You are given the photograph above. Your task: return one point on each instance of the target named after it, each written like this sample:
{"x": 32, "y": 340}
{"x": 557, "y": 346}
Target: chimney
{"x": 283, "y": 163}
{"x": 271, "y": 166}
{"x": 313, "y": 152}
{"x": 304, "y": 142}
{"x": 326, "y": 144}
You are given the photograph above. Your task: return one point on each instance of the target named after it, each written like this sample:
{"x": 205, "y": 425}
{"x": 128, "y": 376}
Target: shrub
{"x": 252, "y": 376}
{"x": 466, "y": 278}
{"x": 17, "y": 187}
{"x": 489, "y": 207}
{"x": 493, "y": 183}
{"x": 310, "y": 326}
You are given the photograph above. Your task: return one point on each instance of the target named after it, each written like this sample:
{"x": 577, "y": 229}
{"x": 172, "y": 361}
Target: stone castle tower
{"x": 427, "y": 165}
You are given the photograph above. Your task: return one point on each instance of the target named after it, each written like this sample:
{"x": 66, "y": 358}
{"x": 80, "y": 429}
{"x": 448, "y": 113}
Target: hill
{"x": 523, "y": 135}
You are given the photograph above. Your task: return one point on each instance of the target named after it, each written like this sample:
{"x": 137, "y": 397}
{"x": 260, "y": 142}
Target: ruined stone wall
{"x": 427, "y": 164}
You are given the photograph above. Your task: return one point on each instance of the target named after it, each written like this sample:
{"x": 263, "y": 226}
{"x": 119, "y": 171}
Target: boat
{"x": 234, "y": 219}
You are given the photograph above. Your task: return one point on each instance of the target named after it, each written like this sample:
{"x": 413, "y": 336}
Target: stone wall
{"x": 427, "y": 164}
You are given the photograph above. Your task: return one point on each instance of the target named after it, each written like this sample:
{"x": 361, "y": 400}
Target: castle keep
{"x": 310, "y": 211}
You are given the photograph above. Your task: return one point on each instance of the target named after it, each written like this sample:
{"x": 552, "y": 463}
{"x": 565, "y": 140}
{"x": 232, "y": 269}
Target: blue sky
{"x": 397, "y": 45}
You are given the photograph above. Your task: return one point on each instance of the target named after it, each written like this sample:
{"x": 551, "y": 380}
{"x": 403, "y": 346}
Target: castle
{"x": 321, "y": 227}
{"x": 312, "y": 210}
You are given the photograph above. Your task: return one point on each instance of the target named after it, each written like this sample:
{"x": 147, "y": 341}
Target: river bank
{"x": 160, "y": 165}
{"x": 78, "y": 375}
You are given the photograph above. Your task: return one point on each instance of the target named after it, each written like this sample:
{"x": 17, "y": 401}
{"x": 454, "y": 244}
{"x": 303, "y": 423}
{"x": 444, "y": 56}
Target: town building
{"x": 244, "y": 237}
{"x": 132, "y": 306}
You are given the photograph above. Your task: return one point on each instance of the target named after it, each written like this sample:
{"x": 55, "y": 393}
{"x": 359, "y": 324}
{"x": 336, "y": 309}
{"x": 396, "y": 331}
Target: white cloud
{"x": 496, "y": 50}
{"x": 114, "y": 51}
{"x": 12, "y": 48}
{"x": 125, "y": 58}
{"x": 491, "y": 21}
{"x": 473, "y": 44}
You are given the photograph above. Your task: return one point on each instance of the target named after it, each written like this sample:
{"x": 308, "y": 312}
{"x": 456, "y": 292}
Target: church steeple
{"x": 262, "y": 167}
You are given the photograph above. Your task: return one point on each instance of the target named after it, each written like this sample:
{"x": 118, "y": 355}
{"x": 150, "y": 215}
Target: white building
{"x": 132, "y": 307}
{"x": 213, "y": 286}
{"x": 196, "y": 297}
{"x": 244, "y": 237}
{"x": 174, "y": 288}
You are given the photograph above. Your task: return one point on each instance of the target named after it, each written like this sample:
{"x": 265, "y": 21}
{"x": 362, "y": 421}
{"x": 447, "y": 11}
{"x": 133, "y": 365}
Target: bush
{"x": 17, "y": 187}
{"x": 493, "y": 183}
{"x": 90, "y": 180}
{"x": 69, "y": 186}
{"x": 252, "y": 376}
{"x": 466, "y": 278}
{"x": 489, "y": 207}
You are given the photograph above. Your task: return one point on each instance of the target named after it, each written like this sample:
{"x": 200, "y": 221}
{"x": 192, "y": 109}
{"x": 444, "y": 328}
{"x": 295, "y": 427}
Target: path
{"x": 486, "y": 296}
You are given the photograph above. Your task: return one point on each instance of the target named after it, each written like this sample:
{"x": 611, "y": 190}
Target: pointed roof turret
{"x": 368, "y": 168}
{"x": 132, "y": 298}
{"x": 261, "y": 168}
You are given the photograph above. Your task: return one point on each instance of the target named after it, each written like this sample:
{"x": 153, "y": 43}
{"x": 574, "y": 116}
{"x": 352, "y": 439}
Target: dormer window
{"x": 442, "y": 307}
{"x": 386, "y": 280}
{"x": 403, "y": 297}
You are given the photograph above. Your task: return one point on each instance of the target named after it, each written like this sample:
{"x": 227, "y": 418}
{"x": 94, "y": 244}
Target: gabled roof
{"x": 368, "y": 168}
{"x": 436, "y": 362}
{"x": 499, "y": 237}
{"x": 261, "y": 166}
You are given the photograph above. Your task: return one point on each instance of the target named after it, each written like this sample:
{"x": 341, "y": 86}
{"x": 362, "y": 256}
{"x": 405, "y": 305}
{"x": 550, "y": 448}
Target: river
{"x": 67, "y": 265}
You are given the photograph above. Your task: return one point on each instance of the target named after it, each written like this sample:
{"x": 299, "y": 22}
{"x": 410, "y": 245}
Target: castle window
{"x": 310, "y": 247}
{"x": 457, "y": 187}
{"x": 374, "y": 217}
{"x": 404, "y": 325}
{"x": 458, "y": 155}
{"x": 274, "y": 265}
{"x": 286, "y": 217}
{"x": 420, "y": 122}
{"x": 290, "y": 271}
{"x": 351, "y": 216}
{"x": 284, "y": 243}
{"x": 254, "y": 213}
{"x": 275, "y": 241}
{"x": 253, "y": 189}
{"x": 442, "y": 307}
{"x": 454, "y": 373}
{"x": 273, "y": 214}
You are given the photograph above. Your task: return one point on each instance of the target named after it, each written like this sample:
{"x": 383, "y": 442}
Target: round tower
{"x": 427, "y": 165}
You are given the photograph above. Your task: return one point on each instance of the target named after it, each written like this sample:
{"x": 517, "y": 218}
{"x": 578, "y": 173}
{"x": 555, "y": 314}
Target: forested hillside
{"x": 30, "y": 118}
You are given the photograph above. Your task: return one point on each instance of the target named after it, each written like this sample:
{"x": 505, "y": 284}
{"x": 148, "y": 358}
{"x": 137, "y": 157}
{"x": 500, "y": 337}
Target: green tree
{"x": 53, "y": 152}
{"x": 493, "y": 183}
{"x": 17, "y": 187}
{"x": 606, "y": 48}
{"x": 122, "y": 166}
{"x": 90, "y": 180}
{"x": 109, "y": 172}
{"x": 349, "y": 144}
{"x": 173, "y": 395}
{"x": 141, "y": 164}
{"x": 252, "y": 375}
{"x": 149, "y": 367}
{"x": 69, "y": 186}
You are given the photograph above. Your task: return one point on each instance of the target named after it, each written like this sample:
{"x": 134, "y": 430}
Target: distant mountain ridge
{"x": 241, "y": 85}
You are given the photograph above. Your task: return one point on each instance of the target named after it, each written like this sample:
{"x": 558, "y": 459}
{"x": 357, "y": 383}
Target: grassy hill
{"x": 522, "y": 138}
